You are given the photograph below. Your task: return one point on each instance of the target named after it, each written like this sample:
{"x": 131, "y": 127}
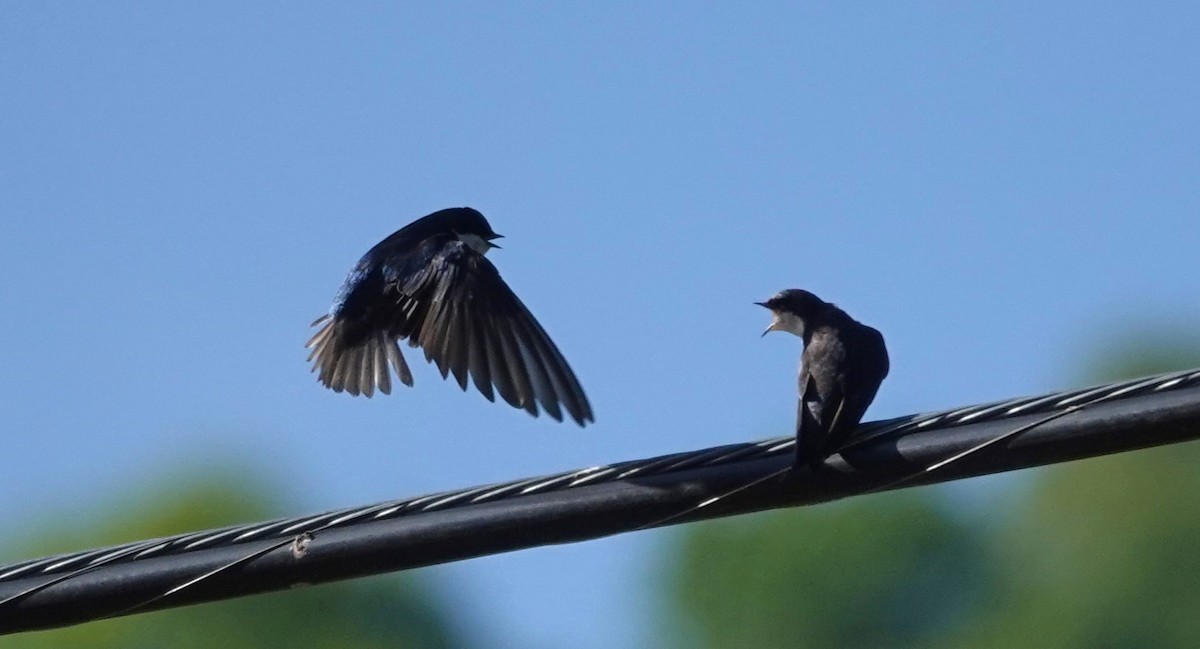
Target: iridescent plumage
{"x": 430, "y": 284}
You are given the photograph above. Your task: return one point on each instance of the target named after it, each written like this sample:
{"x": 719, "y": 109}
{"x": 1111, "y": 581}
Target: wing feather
{"x": 473, "y": 324}
{"x": 468, "y": 323}
{"x": 513, "y": 365}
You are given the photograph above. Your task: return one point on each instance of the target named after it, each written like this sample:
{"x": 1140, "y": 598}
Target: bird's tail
{"x": 357, "y": 368}
{"x": 810, "y": 452}
{"x": 811, "y": 442}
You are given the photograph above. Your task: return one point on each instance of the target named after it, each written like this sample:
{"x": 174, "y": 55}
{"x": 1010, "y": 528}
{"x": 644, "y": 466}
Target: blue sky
{"x": 183, "y": 188}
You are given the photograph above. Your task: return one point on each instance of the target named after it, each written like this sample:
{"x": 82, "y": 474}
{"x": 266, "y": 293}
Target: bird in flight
{"x": 430, "y": 283}
{"x": 842, "y": 365}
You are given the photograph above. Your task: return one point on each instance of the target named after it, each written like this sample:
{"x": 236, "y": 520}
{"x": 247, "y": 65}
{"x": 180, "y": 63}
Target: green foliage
{"x": 381, "y": 612}
{"x": 1102, "y": 556}
{"x": 889, "y": 569}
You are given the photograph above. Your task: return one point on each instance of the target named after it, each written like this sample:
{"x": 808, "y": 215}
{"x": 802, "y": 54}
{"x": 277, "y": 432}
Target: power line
{"x": 591, "y": 503}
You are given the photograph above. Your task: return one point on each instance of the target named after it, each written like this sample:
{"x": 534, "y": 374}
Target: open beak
{"x": 495, "y": 236}
{"x": 774, "y": 326}
{"x": 774, "y": 322}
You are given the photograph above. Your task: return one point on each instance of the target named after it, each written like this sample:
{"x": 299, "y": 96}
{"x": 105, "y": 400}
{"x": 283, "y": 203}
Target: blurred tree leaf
{"x": 1102, "y": 553}
{"x": 889, "y": 569}
{"x": 380, "y": 612}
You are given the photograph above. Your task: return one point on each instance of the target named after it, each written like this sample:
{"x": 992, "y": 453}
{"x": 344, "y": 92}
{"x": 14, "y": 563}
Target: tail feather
{"x": 346, "y": 375}
{"x": 398, "y": 364}
{"x": 366, "y": 371}
{"x": 379, "y": 368}
{"x": 358, "y": 369}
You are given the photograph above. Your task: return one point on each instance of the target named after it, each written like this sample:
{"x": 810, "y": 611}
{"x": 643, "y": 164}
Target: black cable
{"x": 591, "y": 503}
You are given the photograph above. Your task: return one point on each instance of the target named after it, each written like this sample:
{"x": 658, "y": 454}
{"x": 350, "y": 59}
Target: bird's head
{"x": 471, "y": 228}
{"x": 791, "y": 309}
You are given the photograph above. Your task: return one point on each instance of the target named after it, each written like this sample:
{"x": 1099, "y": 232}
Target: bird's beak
{"x": 495, "y": 236}
{"x": 774, "y": 326}
{"x": 774, "y": 323}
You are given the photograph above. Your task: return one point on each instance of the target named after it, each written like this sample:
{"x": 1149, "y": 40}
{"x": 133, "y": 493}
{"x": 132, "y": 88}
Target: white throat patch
{"x": 476, "y": 243}
{"x": 788, "y": 322}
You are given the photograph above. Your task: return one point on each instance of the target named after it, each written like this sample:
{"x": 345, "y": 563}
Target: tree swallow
{"x": 430, "y": 283}
{"x": 843, "y": 363}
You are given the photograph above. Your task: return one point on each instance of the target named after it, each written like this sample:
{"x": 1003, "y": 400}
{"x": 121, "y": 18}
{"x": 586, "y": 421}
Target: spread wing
{"x": 470, "y": 323}
{"x": 450, "y": 301}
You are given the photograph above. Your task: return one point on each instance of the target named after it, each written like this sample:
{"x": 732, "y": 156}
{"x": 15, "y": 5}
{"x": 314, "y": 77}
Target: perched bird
{"x": 843, "y": 363}
{"x": 429, "y": 283}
